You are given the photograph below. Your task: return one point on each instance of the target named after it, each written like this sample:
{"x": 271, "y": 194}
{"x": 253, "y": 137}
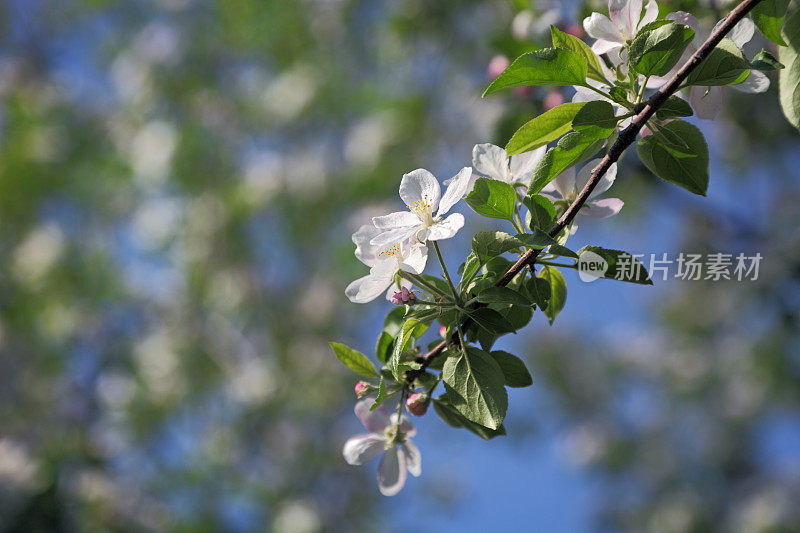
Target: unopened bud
{"x": 443, "y": 332}
{"x": 404, "y": 297}
{"x": 417, "y": 403}
{"x": 362, "y": 389}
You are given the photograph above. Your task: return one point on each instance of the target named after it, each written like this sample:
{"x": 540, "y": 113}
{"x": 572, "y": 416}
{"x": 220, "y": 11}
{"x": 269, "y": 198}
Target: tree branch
{"x": 626, "y": 138}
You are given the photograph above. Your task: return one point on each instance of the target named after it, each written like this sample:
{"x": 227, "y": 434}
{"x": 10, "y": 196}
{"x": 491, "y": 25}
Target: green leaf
{"x": 558, "y": 291}
{"x": 596, "y": 119}
{"x": 725, "y": 65}
{"x": 489, "y": 244}
{"x": 570, "y": 42}
{"x": 514, "y": 371}
{"x": 655, "y": 52}
{"x": 543, "y": 129}
{"x": 769, "y": 16}
{"x": 502, "y": 295}
{"x": 492, "y": 198}
{"x": 381, "y": 397}
{"x": 765, "y": 62}
{"x": 622, "y": 266}
{"x": 541, "y": 211}
{"x": 674, "y": 107}
{"x": 491, "y": 320}
{"x": 661, "y": 159}
{"x": 517, "y": 315}
{"x": 403, "y": 338}
{"x": 563, "y": 251}
{"x": 569, "y": 150}
{"x": 538, "y": 239}
{"x": 548, "y": 66}
{"x": 477, "y": 381}
{"x": 789, "y": 80}
{"x": 444, "y": 408}
{"x": 538, "y": 291}
{"x": 355, "y": 361}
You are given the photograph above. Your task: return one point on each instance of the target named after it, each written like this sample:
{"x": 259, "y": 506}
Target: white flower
{"x": 566, "y": 186}
{"x": 422, "y": 195}
{"x": 385, "y": 435}
{"x": 625, "y": 22}
{"x": 384, "y": 262}
{"x": 493, "y": 162}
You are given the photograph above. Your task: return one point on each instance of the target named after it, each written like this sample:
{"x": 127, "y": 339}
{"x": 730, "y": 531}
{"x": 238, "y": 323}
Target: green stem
{"x": 551, "y": 263}
{"x": 413, "y": 278}
{"x": 642, "y": 88}
{"x": 446, "y": 274}
{"x": 434, "y": 304}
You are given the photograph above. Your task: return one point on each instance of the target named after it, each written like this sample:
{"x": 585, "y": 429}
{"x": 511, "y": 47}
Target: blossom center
{"x": 393, "y": 250}
{"x": 422, "y": 208}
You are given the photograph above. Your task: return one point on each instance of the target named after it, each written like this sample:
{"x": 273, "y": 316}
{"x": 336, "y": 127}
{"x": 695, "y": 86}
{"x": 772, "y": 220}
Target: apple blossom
{"x": 422, "y": 195}
{"x": 404, "y": 297}
{"x": 493, "y": 162}
{"x": 384, "y": 262}
{"x": 625, "y": 22}
{"x": 362, "y": 389}
{"x": 417, "y": 403}
{"x": 389, "y": 435}
{"x": 565, "y": 187}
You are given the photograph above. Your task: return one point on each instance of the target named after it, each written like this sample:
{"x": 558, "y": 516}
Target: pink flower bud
{"x": 442, "y": 332}
{"x": 553, "y": 99}
{"x": 496, "y": 66}
{"x": 417, "y": 403}
{"x": 362, "y": 389}
{"x": 575, "y": 30}
{"x": 397, "y": 298}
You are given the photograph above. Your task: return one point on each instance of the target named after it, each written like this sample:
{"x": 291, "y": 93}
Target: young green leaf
{"x": 543, "y": 129}
{"x": 687, "y": 167}
{"x": 596, "y": 119}
{"x": 674, "y": 107}
{"x": 444, "y": 408}
{"x": 570, "y": 42}
{"x": 492, "y": 198}
{"x": 401, "y": 341}
{"x": 536, "y": 239}
{"x": 541, "y": 211}
{"x": 622, "y": 266}
{"x": 477, "y": 381}
{"x": 569, "y": 150}
{"x": 548, "y": 66}
{"x": 563, "y": 251}
{"x": 789, "y": 79}
{"x": 558, "y": 291}
{"x": 489, "y": 244}
{"x": 381, "y": 397}
{"x": 355, "y": 361}
{"x": 502, "y": 295}
{"x": 538, "y": 291}
{"x": 514, "y": 371}
{"x": 655, "y": 52}
{"x": 491, "y": 320}
{"x": 725, "y": 65}
{"x": 769, "y": 16}
{"x": 765, "y": 62}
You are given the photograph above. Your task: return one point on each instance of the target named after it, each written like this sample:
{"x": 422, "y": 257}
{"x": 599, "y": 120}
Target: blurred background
{"x": 179, "y": 180}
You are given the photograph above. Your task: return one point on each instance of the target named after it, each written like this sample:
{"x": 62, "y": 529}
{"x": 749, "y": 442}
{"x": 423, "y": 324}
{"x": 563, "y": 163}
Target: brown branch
{"x": 625, "y": 139}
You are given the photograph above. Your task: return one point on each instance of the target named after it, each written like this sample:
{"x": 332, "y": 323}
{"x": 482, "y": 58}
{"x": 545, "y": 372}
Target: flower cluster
{"x": 557, "y": 166}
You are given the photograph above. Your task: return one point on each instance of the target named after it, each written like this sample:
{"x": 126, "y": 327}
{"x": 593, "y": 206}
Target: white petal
{"x": 706, "y": 106}
{"x": 682, "y": 17}
{"x": 741, "y": 33}
{"x": 444, "y": 229}
{"x": 416, "y": 259}
{"x": 625, "y": 14}
{"x": 366, "y": 252}
{"x": 565, "y": 182}
{"x": 366, "y": 289}
{"x": 458, "y": 187}
{"x": 604, "y": 46}
{"x": 361, "y": 448}
{"x": 399, "y": 219}
{"x": 406, "y": 427}
{"x": 491, "y": 161}
{"x": 376, "y": 420}
{"x": 392, "y": 471}
{"x": 756, "y": 82}
{"x": 600, "y": 27}
{"x": 523, "y": 165}
{"x": 397, "y": 235}
{"x": 413, "y": 458}
{"x": 605, "y": 182}
{"x": 650, "y": 13}
{"x": 420, "y": 186}
{"x": 602, "y": 208}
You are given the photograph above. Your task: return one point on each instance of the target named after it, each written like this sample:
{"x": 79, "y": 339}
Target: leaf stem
{"x": 446, "y": 274}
